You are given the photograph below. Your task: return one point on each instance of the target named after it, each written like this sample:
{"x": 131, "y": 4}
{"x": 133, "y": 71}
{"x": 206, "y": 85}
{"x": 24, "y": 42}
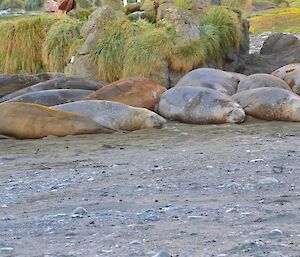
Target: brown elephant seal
{"x": 268, "y": 103}
{"x": 261, "y": 80}
{"x": 218, "y": 80}
{"x": 136, "y": 92}
{"x": 200, "y": 106}
{"x": 291, "y": 75}
{"x": 52, "y": 97}
{"x": 115, "y": 115}
{"x": 29, "y": 121}
{"x": 57, "y": 83}
{"x": 14, "y": 82}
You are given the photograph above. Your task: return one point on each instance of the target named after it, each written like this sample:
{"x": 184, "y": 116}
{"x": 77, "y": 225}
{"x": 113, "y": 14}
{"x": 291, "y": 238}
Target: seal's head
{"x": 149, "y": 119}
{"x": 235, "y": 114}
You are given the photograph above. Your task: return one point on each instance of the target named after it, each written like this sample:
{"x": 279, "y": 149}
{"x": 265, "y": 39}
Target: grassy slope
{"x": 279, "y": 20}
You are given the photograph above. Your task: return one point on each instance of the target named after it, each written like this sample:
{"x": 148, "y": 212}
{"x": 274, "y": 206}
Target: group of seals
{"x": 202, "y": 96}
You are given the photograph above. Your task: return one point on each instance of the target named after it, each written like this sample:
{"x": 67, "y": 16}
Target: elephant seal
{"x": 136, "y": 92}
{"x": 52, "y": 97}
{"x": 268, "y": 103}
{"x": 261, "y": 80}
{"x": 14, "y": 82}
{"x": 291, "y": 75}
{"x": 115, "y": 115}
{"x": 200, "y": 106}
{"x": 57, "y": 83}
{"x": 218, "y": 80}
{"x": 29, "y": 121}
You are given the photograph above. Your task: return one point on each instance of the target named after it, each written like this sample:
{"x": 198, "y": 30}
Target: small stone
{"x": 194, "y": 217}
{"x": 268, "y": 181}
{"x": 79, "y": 212}
{"x": 209, "y": 167}
{"x": 6, "y": 249}
{"x": 152, "y": 218}
{"x": 162, "y": 254}
{"x": 275, "y": 233}
{"x": 4, "y": 206}
{"x": 91, "y": 179}
{"x": 277, "y": 169}
{"x": 257, "y": 160}
{"x": 135, "y": 242}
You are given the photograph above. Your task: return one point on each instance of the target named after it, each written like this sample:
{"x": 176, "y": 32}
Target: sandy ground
{"x": 223, "y": 190}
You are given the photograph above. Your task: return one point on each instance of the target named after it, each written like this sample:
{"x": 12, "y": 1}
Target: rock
{"x": 162, "y": 254}
{"x": 135, "y": 242}
{"x": 79, "y": 212}
{"x": 268, "y": 181}
{"x": 83, "y": 66}
{"x": 278, "y": 42}
{"x": 152, "y": 218}
{"x": 185, "y": 24}
{"x": 277, "y": 169}
{"x": 275, "y": 233}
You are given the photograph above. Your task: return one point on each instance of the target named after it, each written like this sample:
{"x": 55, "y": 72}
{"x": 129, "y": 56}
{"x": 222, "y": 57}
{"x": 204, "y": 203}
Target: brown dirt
{"x": 189, "y": 190}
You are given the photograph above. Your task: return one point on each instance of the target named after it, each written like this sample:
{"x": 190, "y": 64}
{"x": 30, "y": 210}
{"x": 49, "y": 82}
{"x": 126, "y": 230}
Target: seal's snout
{"x": 236, "y": 115}
{"x": 157, "y": 121}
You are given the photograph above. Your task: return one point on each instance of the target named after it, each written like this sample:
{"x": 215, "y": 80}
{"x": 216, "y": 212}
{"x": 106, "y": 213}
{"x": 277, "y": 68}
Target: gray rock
{"x": 278, "y": 42}
{"x": 79, "y": 212}
{"x": 268, "y": 181}
{"x": 135, "y": 242}
{"x": 162, "y": 254}
{"x": 275, "y": 233}
{"x": 277, "y": 169}
{"x": 152, "y": 218}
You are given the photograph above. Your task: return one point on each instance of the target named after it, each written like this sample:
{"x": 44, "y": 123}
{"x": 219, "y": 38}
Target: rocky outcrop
{"x": 279, "y": 49}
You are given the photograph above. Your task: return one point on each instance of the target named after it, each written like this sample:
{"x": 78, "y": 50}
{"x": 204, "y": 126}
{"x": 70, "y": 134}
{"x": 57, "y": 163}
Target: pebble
{"x": 268, "y": 181}
{"x": 257, "y": 160}
{"x": 135, "y": 242}
{"x": 162, "y": 254}
{"x": 6, "y": 249}
{"x": 152, "y": 218}
{"x": 79, "y": 212}
{"x": 277, "y": 169}
{"x": 275, "y": 233}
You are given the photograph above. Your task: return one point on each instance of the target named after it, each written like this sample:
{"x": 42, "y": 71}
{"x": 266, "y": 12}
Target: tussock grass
{"x": 146, "y": 51}
{"x": 21, "y": 43}
{"x": 280, "y": 20}
{"x": 221, "y": 30}
{"x": 58, "y": 42}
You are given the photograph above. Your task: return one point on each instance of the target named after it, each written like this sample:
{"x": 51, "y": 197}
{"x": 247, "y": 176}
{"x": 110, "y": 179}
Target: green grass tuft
{"x": 21, "y": 43}
{"x": 58, "y": 42}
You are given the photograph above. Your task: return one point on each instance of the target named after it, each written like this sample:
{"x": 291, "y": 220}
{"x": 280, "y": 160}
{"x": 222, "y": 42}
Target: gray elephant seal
{"x": 14, "y": 82}
{"x": 218, "y": 80}
{"x": 200, "y": 106}
{"x": 261, "y": 80}
{"x": 270, "y": 103}
{"x": 52, "y": 97}
{"x": 57, "y": 83}
{"x": 115, "y": 115}
{"x": 291, "y": 75}
{"x": 29, "y": 121}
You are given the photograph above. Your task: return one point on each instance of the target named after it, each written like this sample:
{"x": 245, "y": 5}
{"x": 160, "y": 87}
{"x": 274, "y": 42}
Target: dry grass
{"x": 281, "y": 20}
